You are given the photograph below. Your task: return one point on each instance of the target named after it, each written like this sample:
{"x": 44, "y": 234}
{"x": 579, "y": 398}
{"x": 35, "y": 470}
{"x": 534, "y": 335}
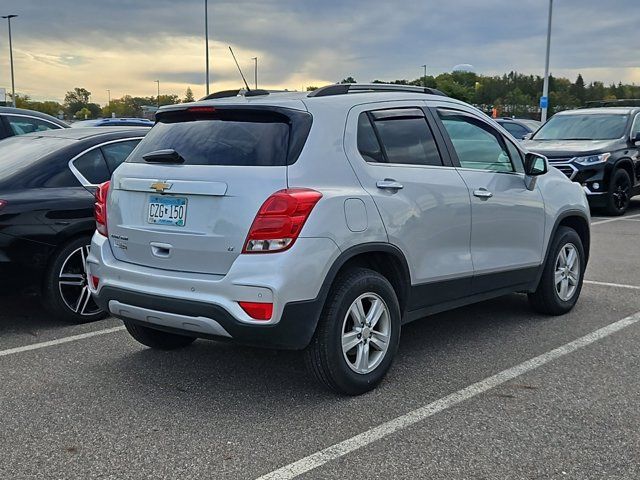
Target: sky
{"x": 125, "y": 45}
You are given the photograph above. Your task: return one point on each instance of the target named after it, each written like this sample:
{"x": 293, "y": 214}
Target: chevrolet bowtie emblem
{"x": 160, "y": 187}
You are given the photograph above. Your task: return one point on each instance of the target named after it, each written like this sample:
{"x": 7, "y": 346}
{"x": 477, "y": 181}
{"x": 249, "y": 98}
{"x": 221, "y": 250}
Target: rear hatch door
{"x": 186, "y": 197}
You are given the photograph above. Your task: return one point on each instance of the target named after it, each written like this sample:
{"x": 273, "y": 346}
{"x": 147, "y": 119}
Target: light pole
{"x": 424, "y": 79}
{"x": 255, "y": 71}
{"x": 544, "y": 101}
{"x": 158, "y": 82}
{"x": 13, "y": 81}
{"x": 109, "y": 94}
{"x": 206, "y": 39}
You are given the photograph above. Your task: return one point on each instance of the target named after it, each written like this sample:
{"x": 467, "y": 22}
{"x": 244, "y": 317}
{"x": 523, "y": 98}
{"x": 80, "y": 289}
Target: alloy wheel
{"x": 73, "y": 285}
{"x": 567, "y": 272}
{"x": 621, "y": 194}
{"x": 366, "y": 332}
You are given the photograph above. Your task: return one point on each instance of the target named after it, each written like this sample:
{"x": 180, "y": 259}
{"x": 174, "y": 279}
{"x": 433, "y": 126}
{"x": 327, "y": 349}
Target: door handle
{"x": 389, "y": 184}
{"x": 482, "y": 193}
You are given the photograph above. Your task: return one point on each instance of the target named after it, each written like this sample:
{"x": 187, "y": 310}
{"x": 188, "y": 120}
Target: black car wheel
{"x": 358, "y": 333}
{"x": 66, "y": 289}
{"x": 619, "y": 193}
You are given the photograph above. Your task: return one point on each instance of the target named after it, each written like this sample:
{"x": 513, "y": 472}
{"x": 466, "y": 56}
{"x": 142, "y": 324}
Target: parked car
{"x": 114, "y": 122}
{"x": 519, "y": 127}
{"x": 47, "y": 184}
{"x": 325, "y": 221}
{"x": 18, "y": 121}
{"x": 598, "y": 148}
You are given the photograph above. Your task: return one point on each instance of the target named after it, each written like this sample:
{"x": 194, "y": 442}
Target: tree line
{"x": 77, "y": 105}
{"x": 516, "y": 94}
{"x": 512, "y": 94}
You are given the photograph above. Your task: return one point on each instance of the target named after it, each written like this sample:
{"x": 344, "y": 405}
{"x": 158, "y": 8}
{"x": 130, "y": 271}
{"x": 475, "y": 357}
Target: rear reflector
{"x": 257, "y": 310}
{"x": 280, "y": 220}
{"x": 95, "y": 281}
{"x": 100, "y": 208}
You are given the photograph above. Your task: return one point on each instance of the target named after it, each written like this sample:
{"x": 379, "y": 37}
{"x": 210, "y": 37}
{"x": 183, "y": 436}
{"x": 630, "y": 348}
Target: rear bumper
{"x": 207, "y": 306}
{"x": 203, "y": 320}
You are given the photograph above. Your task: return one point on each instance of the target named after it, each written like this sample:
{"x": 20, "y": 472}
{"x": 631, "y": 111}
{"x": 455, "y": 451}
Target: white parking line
{"x": 59, "y": 341}
{"x": 608, "y": 220}
{"x": 338, "y": 450}
{"x": 607, "y": 284}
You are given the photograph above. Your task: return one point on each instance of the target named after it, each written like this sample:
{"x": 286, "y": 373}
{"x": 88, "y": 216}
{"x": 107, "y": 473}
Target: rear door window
{"x": 93, "y": 167}
{"x": 220, "y": 142}
{"x": 400, "y": 136}
{"x": 116, "y": 153}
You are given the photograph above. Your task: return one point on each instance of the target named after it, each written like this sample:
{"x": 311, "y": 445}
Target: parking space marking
{"x": 607, "y": 284}
{"x": 608, "y": 220}
{"x": 59, "y": 341}
{"x": 383, "y": 430}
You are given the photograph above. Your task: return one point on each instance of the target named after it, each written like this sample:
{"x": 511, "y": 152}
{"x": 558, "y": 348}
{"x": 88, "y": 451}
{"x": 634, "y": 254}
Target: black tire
{"x": 58, "y": 299}
{"x": 157, "y": 339}
{"x": 619, "y": 194}
{"x": 546, "y": 299}
{"x": 324, "y": 356}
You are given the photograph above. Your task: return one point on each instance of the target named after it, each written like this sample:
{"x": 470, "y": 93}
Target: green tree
{"x": 578, "y": 90}
{"x": 76, "y": 100}
{"x": 82, "y": 114}
{"x": 348, "y": 80}
{"x": 188, "y": 96}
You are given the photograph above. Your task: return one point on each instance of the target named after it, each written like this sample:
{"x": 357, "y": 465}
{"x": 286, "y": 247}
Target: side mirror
{"x": 636, "y": 140}
{"x": 527, "y": 136}
{"x": 535, "y": 165}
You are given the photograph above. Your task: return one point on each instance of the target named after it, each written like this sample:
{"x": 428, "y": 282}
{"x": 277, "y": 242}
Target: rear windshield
{"x": 19, "y": 153}
{"x": 219, "y": 142}
{"x": 588, "y": 126}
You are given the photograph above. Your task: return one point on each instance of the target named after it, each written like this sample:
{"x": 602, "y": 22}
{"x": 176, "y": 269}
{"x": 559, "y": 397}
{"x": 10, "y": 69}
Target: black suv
{"x": 598, "y": 148}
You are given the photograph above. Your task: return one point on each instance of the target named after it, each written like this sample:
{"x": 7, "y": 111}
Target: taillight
{"x": 100, "y": 208}
{"x": 280, "y": 220}
{"x": 2, "y": 203}
{"x": 258, "y": 310}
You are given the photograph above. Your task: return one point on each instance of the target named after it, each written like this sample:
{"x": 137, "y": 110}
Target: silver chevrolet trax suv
{"x": 324, "y": 221}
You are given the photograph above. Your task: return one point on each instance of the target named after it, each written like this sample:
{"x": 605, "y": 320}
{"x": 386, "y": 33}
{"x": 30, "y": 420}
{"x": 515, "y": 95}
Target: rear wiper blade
{"x": 168, "y": 155}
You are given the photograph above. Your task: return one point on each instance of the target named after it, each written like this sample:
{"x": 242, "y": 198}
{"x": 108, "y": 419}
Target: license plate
{"x": 167, "y": 210}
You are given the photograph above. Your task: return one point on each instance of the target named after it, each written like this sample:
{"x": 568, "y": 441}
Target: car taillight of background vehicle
{"x": 3, "y": 203}
{"x": 280, "y": 220}
{"x": 100, "y": 208}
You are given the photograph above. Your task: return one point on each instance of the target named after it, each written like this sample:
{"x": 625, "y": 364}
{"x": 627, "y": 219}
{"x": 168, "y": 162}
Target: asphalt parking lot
{"x": 490, "y": 391}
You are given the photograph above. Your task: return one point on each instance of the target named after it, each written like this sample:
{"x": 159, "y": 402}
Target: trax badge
{"x": 160, "y": 187}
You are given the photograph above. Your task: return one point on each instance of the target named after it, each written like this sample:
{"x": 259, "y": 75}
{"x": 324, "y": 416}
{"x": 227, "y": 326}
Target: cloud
{"x": 124, "y": 45}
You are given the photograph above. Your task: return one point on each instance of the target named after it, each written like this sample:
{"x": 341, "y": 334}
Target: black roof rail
{"x": 344, "y": 88}
{"x": 622, "y": 102}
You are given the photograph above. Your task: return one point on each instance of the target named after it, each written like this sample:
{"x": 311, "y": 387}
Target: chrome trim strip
{"x": 83, "y": 181}
{"x": 204, "y": 325}
{"x": 572, "y": 167}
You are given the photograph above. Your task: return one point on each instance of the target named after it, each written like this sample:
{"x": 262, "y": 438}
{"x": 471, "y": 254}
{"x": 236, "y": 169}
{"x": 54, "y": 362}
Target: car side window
{"x": 399, "y": 136}
{"x": 635, "y": 129}
{"x": 368, "y": 144}
{"x": 477, "y": 145}
{"x": 20, "y": 125}
{"x": 516, "y": 157}
{"x": 93, "y": 166}
{"x": 116, "y": 153}
{"x": 518, "y": 131}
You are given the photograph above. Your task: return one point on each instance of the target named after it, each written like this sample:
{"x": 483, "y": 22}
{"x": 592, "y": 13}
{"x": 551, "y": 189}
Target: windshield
{"x": 583, "y": 127}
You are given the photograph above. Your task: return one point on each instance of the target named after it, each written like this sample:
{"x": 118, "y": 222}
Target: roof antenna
{"x": 237, "y": 65}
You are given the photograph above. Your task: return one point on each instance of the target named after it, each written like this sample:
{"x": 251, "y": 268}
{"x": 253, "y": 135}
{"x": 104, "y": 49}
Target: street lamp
{"x": 424, "y": 79}
{"x": 13, "y": 81}
{"x": 206, "y": 39}
{"x": 255, "y": 71}
{"x": 109, "y": 96}
{"x": 158, "y": 82}
{"x": 544, "y": 101}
